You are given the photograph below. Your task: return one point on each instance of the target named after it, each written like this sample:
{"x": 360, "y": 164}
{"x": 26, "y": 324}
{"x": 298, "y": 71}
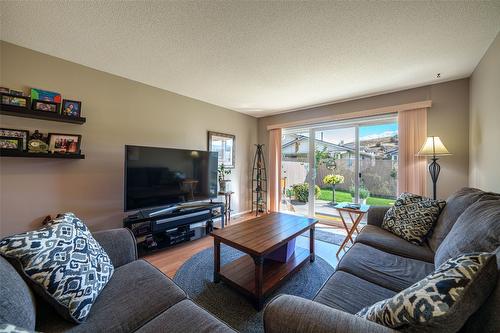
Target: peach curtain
{"x": 412, "y": 169}
{"x": 274, "y": 175}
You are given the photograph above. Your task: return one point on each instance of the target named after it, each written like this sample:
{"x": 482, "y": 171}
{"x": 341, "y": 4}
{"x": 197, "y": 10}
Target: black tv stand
{"x": 160, "y": 228}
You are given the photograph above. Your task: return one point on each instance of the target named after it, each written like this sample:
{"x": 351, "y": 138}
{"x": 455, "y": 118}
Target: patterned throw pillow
{"x": 412, "y": 217}
{"x": 63, "y": 263}
{"x": 442, "y": 301}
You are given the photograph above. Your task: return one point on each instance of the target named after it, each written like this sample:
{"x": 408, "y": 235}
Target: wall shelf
{"x": 17, "y": 111}
{"x": 16, "y": 153}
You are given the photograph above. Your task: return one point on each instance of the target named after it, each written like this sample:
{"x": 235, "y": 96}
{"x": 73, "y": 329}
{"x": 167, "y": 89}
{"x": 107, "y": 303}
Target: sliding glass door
{"x": 352, "y": 161}
{"x": 295, "y": 171}
{"x": 336, "y": 165}
{"x": 378, "y": 164}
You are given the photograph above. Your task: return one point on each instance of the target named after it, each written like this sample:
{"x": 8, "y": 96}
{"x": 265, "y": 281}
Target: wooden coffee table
{"x": 251, "y": 274}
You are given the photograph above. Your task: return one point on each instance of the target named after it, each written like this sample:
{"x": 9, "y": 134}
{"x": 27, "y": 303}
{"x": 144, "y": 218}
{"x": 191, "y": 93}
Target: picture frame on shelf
{"x": 16, "y": 92}
{"x": 15, "y": 100}
{"x": 16, "y": 133}
{"x": 4, "y": 90}
{"x": 11, "y": 143}
{"x": 45, "y": 95}
{"x": 45, "y": 106}
{"x": 224, "y": 145}
{"x": 61, "y": 143}
{"x": 71, "y": 108}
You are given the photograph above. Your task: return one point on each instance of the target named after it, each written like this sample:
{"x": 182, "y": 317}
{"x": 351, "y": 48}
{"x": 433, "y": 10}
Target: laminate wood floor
{"x": 170, "y": 260}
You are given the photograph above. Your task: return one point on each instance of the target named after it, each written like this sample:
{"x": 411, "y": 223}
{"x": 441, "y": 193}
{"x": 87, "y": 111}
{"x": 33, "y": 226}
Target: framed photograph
{"x": 224, "y": 145}
{"x": 64, "y": 143}
{"x": 45, "y": 95}
{"x": 12, "y": 143}
{"x": 45, "y": 106}
{"x": 14, "y": 100}
{"x": 16, "y": 92}
{"x": 71, "y": 108}
{"x": 16, "y": 133}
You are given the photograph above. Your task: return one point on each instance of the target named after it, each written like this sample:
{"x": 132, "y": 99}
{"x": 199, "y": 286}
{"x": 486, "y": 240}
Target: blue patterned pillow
{"x": 63, "y": 263}
{"x": 443, "y": 300}
{"x": 412, "y": 217}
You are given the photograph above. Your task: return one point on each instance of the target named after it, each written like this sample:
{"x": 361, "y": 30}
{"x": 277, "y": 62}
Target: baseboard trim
{"x": 240, "y": 213}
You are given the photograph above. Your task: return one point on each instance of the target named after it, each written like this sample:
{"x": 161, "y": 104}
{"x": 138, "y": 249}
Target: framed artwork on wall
{"x": 224, "y": 145}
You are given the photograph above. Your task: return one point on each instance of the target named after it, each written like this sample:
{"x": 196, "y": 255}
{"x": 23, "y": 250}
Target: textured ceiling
{"x": 262, "y": 58}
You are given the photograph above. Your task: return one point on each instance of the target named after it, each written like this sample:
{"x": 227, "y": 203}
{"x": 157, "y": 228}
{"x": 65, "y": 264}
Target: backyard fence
{"x": 378, "y": 176}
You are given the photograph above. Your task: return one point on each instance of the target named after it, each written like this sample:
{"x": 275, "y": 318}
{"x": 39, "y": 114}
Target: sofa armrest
{"x": 288, "y": 314}
{"x": 376, "y": 215}
{"x": 119, "y": 244}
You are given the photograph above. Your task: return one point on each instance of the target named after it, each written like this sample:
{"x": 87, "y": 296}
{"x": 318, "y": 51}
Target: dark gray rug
{"x": 326, "y": 236}
{"x": 196, "y": 275}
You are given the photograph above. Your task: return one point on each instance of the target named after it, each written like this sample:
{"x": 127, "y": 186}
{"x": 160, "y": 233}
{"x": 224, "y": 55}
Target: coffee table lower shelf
{"x": 240, "y": 273}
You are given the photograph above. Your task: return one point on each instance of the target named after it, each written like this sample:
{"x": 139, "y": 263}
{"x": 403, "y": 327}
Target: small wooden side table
{"x": 356, "y": 215}
{"x": 227, "y": 205}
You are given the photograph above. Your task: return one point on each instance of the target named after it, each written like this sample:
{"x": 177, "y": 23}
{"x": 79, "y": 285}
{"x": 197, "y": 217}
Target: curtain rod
{"x": 355, "y": 114}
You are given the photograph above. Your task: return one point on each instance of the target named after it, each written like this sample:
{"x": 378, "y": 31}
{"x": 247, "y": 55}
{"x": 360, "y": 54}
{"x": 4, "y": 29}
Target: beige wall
{"x": 484, "y": 146}
{"x": 119, "y": 112}
{"x": 448, "y": 118}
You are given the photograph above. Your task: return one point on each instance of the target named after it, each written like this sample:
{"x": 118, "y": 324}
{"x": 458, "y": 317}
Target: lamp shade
{"x": 433, "y": 147}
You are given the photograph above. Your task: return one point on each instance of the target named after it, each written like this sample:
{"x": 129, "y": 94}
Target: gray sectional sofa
{"x": 380, "y": 264}
{"x": 138, "y": 298}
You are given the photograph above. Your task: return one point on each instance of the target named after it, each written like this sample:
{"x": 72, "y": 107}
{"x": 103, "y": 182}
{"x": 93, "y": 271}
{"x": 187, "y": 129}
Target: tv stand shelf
{"x": 171, "y": 228}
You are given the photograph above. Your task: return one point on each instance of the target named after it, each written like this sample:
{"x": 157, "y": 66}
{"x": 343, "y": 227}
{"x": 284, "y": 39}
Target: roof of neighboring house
{"x": 332, "y": 147}
{"x": 393, "y": 151}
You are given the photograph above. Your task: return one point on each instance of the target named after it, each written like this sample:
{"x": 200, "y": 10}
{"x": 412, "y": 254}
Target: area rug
{"x": 326, "y": 236}
{"x": 196, "y": 275}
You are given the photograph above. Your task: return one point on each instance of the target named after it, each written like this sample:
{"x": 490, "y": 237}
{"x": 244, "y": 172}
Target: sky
{"x": 365, "y": 132}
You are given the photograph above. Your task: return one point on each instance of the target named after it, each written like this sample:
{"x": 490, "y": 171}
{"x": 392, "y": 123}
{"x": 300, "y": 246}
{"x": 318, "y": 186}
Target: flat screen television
{"x": 158, "y": 177}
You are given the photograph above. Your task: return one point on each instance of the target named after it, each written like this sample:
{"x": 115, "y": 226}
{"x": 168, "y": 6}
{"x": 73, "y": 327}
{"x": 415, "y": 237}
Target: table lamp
{"x": 433, "y": 147}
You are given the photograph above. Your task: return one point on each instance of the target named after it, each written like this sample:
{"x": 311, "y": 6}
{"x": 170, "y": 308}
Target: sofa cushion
{"x": 385, "y": 269}
{"x": 349, "y": 293}
{"x": 388, "y": 242}
{"x": 17, "y": 302}
{"x": 476, "y": 230}
{"x": 136, "y": 293}
{"x": 63, "y": 263}
{"x": 186, "y": 317}
{"x": 9, "y": 328}
{"x": 412, "y": 217}
{"x": 456, "y": 204}
{"x": 486, "y": 319}
{"x": 442, "y": 301}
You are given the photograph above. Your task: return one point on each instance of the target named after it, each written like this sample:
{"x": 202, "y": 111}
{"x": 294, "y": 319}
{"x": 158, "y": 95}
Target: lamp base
{"x": 434, "y": 169}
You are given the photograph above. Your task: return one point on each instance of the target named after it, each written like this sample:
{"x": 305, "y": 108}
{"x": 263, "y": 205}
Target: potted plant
{"x": 223, "y": 172}
{"x": 333, "y": 180}
{"x": 301, "y": 192}
{"x": 363, "y": 194}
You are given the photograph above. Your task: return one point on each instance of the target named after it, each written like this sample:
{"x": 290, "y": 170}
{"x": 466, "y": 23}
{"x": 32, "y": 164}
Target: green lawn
{"x": 341, "y": 196}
